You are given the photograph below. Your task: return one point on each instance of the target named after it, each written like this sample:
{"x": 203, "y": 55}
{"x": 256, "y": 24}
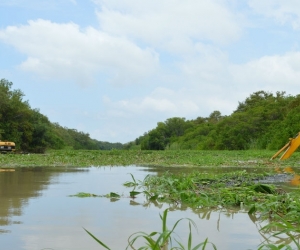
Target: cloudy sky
{"x": 114, "y": 68}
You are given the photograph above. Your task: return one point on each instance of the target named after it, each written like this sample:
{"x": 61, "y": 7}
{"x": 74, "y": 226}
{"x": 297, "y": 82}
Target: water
{"x": 37, "y": 212}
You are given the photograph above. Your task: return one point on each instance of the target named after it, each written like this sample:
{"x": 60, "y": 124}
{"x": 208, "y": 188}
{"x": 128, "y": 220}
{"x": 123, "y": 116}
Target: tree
{"x": 32, "y": 131}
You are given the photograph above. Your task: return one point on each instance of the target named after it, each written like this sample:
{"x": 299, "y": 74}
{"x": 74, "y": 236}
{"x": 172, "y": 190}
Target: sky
{"x": 115, "y": 68}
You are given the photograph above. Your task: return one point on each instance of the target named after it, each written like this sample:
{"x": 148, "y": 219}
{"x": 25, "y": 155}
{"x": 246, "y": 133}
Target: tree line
{"x": 33, "y": 132}
{"x": 263, "y": 121}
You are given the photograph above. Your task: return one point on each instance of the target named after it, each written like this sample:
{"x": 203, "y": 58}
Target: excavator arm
{"x": 289, "y": 148}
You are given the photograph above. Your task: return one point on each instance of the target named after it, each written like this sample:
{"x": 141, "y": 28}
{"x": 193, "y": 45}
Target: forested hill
{"x": 33, "y": 132}
{"x": 263, "y": 121}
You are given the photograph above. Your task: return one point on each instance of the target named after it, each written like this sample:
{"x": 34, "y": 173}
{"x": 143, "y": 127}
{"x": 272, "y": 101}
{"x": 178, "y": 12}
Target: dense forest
{"x": 263, "y": 121}
{"x": 33, "y": 132}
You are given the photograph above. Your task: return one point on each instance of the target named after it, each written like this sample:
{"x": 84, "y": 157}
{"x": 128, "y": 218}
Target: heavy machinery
{"x": 7, "y": 146}
{"x": 289, "y": 148}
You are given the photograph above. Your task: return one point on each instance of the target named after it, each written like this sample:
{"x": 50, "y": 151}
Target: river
{"x": 37, "y": 212}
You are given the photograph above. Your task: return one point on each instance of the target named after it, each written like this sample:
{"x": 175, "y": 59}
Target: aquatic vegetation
{"x": 161, "y": 240}
{"x": 199, "y": 189}
{"x": 239, "y": 190}
{"x": 132, "y": 183}
{"x": 171, "y": 158}
{"x": 281, "y": 209}
{"x": 96, "y": 239}
{"x": 224, "y": 190}
{"x": 83, "y": 195}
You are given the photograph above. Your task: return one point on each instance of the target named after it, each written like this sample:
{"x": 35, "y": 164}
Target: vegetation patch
{"x": 216, "y": 191}
{"x": 257, "y": 159}
{"x": 85, "y": 195}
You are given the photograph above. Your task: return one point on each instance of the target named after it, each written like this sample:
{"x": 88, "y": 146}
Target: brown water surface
{"x": 37, "y": 213}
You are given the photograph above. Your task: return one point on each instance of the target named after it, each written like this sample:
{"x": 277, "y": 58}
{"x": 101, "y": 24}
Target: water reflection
{"x": 36, "y": 211}
{"x": 270, "y": 233}
{"x": 19, "y": 185}
{"x": 295, "y": 180}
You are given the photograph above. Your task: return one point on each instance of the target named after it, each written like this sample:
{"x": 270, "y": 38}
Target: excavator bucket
{"x": 289, "y": 148}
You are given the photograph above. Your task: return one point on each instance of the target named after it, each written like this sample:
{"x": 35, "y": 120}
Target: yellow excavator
{"x": 289, "y": 148}
{"x": 7, "y": 146}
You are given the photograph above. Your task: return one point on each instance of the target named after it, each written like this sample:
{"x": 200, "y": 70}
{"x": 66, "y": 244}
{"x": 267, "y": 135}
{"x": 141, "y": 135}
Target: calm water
{"x": 37, "y": 213}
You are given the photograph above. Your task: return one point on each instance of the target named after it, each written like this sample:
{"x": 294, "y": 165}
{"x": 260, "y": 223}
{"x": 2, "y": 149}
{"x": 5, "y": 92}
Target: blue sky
{"x": 114, "y": 68}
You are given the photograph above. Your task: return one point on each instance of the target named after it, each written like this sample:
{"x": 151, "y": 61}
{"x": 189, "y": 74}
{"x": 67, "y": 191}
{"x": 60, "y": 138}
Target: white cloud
{"x": 208, "y": 65}
{"x": 159, "y": 101}
{"x": 211, "y": 83}
{"x": 165, "y": 22}
{"x": 284, "y": 12}
{"x": 272, "y": 73}
{"x": 64, "y": 51}
{"x": 160, "y": 105}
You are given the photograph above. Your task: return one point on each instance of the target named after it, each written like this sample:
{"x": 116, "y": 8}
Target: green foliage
{"x": 33, "y": 132}
{"x": 198, "y": 189}
{"x": 163, "y": 135}
{"x": 96, "y": 239}
{"x": 263, "y": 121}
